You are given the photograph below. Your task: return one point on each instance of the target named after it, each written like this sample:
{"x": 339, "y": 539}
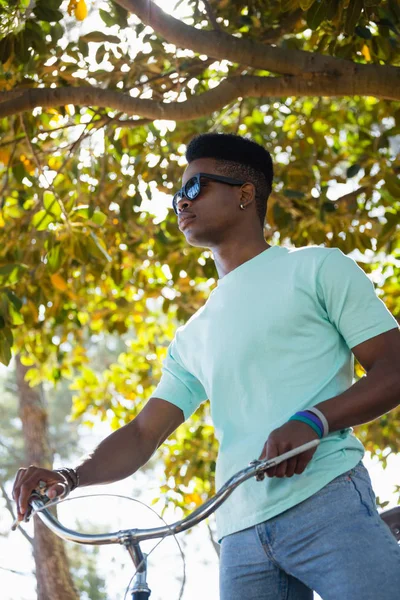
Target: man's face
{"x": 214, "y": 212}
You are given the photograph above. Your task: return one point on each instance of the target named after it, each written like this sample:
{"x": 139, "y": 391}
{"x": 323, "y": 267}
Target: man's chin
{"x": 192, "y": 241}
{"x": 195, "y": 240}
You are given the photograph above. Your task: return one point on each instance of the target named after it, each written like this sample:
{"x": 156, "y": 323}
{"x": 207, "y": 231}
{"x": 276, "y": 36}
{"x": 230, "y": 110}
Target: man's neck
{"x": 230, "y": 256}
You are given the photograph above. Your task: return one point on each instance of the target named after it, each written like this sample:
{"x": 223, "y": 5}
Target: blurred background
{"x": 97, "y": 105}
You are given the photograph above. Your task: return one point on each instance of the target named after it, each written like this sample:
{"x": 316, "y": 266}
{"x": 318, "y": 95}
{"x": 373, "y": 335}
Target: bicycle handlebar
{"x": 128, "y": 537}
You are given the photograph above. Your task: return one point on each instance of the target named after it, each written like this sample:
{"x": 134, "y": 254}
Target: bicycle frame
{"x": 131, "y": 538}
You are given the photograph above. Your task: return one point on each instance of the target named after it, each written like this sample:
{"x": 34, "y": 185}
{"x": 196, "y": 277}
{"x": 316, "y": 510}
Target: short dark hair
{"x": 237, "y": 157}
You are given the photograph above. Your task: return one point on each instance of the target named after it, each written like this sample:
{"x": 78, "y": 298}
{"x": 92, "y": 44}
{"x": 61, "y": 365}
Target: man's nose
{"x": 183, "y": 204}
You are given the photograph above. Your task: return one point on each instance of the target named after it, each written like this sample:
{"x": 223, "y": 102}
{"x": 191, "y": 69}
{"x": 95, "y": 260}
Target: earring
{"x": 242, "y": 206}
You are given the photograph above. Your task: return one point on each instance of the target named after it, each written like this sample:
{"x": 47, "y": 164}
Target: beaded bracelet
{"x": 71, "y": 476}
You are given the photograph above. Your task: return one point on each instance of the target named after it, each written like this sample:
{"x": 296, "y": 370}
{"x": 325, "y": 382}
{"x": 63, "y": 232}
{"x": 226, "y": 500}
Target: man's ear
{"x": 247, "y": 193}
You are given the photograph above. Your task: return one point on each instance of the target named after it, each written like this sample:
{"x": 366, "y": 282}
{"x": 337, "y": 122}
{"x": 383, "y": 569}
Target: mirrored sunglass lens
{"x": 192, "y": 188}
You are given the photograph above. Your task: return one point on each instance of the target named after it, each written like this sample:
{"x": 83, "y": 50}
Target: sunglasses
{"x": 192, "y": 187}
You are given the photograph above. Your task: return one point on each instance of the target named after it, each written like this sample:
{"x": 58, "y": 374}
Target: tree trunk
{"x": 52, "y": 570}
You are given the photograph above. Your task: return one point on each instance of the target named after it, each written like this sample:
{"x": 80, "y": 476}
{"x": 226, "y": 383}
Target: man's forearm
{"x": 369, "y": 398}
{"x": 119, "y": 455}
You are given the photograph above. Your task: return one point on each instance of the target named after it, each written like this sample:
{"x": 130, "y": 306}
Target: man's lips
{"x": 185, "y": 218}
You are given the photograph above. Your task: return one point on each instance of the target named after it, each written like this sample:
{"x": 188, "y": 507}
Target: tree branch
{"x": 16, "y": 140}
{"x": 239, "y": 119}
{"x": 367, "y": 80}
{"x": 16, "y": 572}
{"x": 7, "y": 177}
{"x": 352, "y": 195}
{"x": 211, "y": 16}
{"x": 127, "y": 123}
{"x": 212, "y": 540}
{"x": 31, "y": 148}
{"x": 223, "y": 46}
{"x": 12, "y": 93}
{"x": 43, "y": 173}
{"x": 11, "y": 451}
{"x": 11, "y": 511}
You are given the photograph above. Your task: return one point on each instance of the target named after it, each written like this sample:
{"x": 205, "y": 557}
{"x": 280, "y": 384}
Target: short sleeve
{"x": 178, "y": 386}
{"x": 350, "y": 300}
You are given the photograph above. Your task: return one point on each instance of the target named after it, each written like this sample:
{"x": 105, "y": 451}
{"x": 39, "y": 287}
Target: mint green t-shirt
{"x": 273, "y": 338}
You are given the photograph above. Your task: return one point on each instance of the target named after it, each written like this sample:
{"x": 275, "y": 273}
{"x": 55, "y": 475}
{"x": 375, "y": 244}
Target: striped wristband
{"x": 322, "y": 417}
{"x": 310, "y": 420}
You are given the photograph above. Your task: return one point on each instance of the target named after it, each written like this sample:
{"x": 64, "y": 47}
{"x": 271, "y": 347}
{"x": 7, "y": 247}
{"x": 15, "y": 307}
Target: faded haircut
{"x": 240, "y": 158}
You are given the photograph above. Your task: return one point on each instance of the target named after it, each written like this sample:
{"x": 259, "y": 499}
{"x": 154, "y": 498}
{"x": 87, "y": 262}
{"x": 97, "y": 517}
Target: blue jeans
{"x": 334, "y": 543}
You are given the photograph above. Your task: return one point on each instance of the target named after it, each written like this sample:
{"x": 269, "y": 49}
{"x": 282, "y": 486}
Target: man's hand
{"x": 291, "y": 435}
{"x": 27, "y": 480}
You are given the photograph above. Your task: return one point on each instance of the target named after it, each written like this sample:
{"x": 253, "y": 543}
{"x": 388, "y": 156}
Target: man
{"x": 272, "y": 349}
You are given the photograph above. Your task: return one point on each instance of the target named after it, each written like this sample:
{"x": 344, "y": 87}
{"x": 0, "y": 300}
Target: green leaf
{"x": 384, "y": 48}
{"x": 33, "y": 29}
{"x": 281, "y": 217}
{"x": 81, "y": 211}
{"x": 54, "y": 4}
{"x": 121, "y": 14}
{"x": 394, "y": 8}
{"x": 5, "y": 347}
{"x": 80, "y": 251}
{"x": 99, "y": 37}
{"x": 8, "y": 335}
{"x": 107, "y": 18}
{"x": 9, "y": 274}
{"x": 363, "y": 32}
{"x": 43, "y": 13}
{"x": 328, "y": 207}
{"x": 288, "y": 5}
{"x": 306, "y": 4}
{"x": 7, "y": 269}
{"x": 317, "y": 13}
{"x": 333, "y": 8}
{"x": 51, "y": 204}
{"x": 352, "y": 15}
{"x": 21, "y": 47}
{"x": 15, "y": 301}
{"x": 19, "y": 172}
{"x": 100, "y": 54}
{"x": 83, "y": 47}
{"x": 15, "y": 317}
{"x": 54, "y": 258}
{"x": 6, "y": 47}
{"x": 56, "y": 32}
{"x": 100, "y": 246}
{"x": 353, "y": 170}
{"x": 289, "y": 123}
{"x": 99, "y": 217}
{"x": 41, "y": 220}
{"x": 392, "y": 184}
{"x": 293, "y": 193}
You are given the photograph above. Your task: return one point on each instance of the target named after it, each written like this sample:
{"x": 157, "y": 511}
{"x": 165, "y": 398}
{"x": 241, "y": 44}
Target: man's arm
{"x": 126, "y": 450}
{"x": 367, "y": 399}
{"x": 119, "y": 455}
{"x": 374, "y": 395}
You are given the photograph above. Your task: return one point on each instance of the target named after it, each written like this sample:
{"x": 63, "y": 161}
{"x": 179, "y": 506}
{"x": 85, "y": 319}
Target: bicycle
{"x": 131, "y": 538}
